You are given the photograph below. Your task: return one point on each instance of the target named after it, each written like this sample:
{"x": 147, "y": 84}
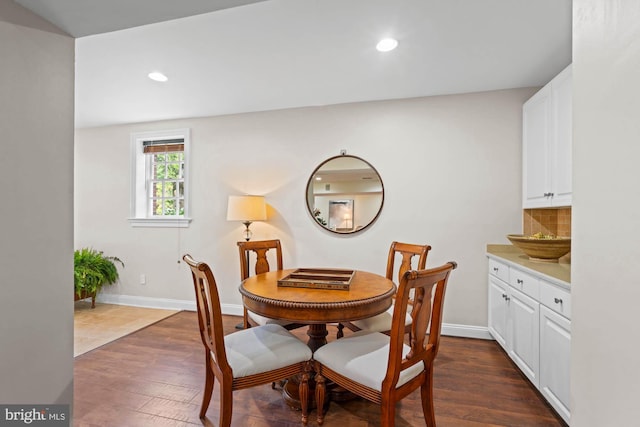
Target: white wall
{"x": 36, "y": 214}
{"x": 605, "y": 379}
{"x": 451, "y": 168}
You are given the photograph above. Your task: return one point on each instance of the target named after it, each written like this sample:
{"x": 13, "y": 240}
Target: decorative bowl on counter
{"x": 547, "y": 249}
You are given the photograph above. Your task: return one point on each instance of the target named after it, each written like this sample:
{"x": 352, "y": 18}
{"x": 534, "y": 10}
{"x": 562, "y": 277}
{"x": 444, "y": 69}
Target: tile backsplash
{"x": 547, "y": 221}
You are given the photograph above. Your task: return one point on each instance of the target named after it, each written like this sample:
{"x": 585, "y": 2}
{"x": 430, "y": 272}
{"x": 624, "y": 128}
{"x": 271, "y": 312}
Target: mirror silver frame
{"x": 346, "y": 204}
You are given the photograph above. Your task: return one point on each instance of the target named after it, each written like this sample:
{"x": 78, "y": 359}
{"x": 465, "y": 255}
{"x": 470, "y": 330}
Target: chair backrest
{"x": 429, "y": 288}
{"x": 260, "y": 248}
{"x": 209, "y": 311}
{"x": 407, "y": 251}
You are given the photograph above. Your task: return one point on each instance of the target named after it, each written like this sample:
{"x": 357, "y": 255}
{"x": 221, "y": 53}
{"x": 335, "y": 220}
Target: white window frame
{"x": 140, "y": 163}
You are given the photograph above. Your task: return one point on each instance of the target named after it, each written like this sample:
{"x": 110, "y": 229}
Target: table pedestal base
{"x": 317, "y": 336}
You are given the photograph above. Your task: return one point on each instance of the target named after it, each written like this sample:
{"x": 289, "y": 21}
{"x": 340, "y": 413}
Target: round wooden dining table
{"x": 369, "y": 294}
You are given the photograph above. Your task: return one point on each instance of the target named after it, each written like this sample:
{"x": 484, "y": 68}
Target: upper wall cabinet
{"x": 547, "y": 145}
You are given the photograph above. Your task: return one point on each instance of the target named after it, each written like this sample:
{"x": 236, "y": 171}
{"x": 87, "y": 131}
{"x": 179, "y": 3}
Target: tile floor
{"x": 107, "y": 322}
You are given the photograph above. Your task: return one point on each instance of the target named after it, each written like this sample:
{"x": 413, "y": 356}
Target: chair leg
{"x": 280, "y": 384}
{"x": 320, "y": 393}
{"x": 426, "y": 393}
{"x": 388, "y": 416}
{"x": 208, "y": 387}
{"x": 226, "y": 404}
{"x": 340, "y": 334}
{"x": 303, "y": 391}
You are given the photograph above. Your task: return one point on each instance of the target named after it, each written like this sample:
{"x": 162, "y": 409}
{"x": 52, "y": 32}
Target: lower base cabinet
{"x": 555, "y": 355}
{"x": 535, "y": 336}
{"x": 498, "y": 294}
{"x": 525, "y": 321}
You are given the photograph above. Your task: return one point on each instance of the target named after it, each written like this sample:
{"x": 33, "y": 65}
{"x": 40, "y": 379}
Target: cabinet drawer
{"x": 525, "y": 283}
{"x": 558, "y": 300}
{"x": 498, "y": 269}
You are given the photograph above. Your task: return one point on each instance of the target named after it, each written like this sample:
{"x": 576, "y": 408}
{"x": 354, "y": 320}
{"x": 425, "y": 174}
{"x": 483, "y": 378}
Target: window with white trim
{"x": 159, "y": 184}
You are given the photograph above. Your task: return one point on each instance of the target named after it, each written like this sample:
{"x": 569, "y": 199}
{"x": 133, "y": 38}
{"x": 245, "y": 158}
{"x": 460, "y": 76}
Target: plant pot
{"x": 85, "y": 295}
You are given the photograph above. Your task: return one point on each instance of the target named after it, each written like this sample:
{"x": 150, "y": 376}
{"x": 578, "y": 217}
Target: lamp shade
{"x": 246, "y": 208}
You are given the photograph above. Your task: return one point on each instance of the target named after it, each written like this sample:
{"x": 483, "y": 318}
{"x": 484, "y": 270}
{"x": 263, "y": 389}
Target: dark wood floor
{"x": 155, "y": 377}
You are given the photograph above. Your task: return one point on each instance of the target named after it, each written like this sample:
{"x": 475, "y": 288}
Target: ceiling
{"x": 81, "y": 18}
{"x": 228, "y": 57}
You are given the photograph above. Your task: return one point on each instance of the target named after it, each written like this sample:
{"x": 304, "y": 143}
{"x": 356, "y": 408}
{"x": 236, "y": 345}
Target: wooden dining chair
{"x": 246, "y": 358}
{"x": 382, "y": 322}
{"x": 382, "y": 368}
{"x": 260, "y": 249}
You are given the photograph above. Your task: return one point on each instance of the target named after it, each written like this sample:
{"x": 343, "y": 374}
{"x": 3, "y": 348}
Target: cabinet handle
{"x": 520, "y": 282}
{"x": 504, "y": 296}
{"x": 495, "y": 269}
{"x": 507, "y": 299}
{"x": 557, "y": 300}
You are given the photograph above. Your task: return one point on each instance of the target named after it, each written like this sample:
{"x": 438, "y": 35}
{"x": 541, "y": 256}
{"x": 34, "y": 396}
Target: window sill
{"x": 160, "y": 222}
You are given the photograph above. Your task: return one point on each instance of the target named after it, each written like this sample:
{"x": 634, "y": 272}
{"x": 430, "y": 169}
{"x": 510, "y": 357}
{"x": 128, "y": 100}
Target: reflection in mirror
{"x": 345, "y": 194}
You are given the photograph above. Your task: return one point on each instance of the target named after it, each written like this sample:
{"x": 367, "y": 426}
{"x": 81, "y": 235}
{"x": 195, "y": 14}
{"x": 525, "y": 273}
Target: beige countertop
{"x": 557, "y": 272}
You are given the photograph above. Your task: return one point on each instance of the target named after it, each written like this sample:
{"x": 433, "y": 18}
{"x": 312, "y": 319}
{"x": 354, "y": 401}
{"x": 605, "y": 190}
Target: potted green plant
{"x": 92, "y": 270}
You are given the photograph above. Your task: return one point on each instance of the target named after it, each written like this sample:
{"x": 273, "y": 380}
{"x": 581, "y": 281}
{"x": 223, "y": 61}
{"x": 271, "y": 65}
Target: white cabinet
{"x": 546, "y": 148}
{"x": 498, "y": 294}
{"x": 499, "y": 269}
{"x": 561, "y": 159}
{"x": 524, "y": 319}
{"x": 555, "y": 354}
{"x": 556, "y": 299}
{"x": 529, "y": 316}
{"x": 514, "y": 321}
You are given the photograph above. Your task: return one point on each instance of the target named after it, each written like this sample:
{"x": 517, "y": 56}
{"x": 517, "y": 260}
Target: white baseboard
{"x": 163, "y": 303}
{"x": 232, "y": 309}
{"x": 147, "y": 302}
{"x": 465, "y": 331}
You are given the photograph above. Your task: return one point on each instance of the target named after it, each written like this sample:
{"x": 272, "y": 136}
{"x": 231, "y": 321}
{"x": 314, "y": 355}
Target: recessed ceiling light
{"x": 159, "y": 77}
{"x": 385, "y": 45}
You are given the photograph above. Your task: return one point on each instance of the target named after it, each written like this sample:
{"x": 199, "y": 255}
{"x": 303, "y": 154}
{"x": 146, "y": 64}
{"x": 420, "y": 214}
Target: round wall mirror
{"x": 345, "y": 194}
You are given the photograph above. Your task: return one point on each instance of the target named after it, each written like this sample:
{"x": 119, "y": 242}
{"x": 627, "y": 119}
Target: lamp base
{"x": 247, "y": 232}
{"x": 247, "y": 237}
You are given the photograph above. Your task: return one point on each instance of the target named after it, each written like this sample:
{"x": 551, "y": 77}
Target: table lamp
{"x": 246, "y": 209}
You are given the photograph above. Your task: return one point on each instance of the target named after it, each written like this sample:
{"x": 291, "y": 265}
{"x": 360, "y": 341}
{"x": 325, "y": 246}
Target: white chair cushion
{"x": 363, "y": 357}
{"x": 261, "y": 320}
{"x": 263, "y": 348}
{"x": 381, "y": 322}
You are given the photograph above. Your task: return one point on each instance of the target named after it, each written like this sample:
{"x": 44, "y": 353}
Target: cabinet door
{"x": 536, "y": 128}
{"x": 498, "y": 295}
{"x": 555, "y": 354}
{"x": 524, "y": 318}
{"x": 561, "y": 92}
